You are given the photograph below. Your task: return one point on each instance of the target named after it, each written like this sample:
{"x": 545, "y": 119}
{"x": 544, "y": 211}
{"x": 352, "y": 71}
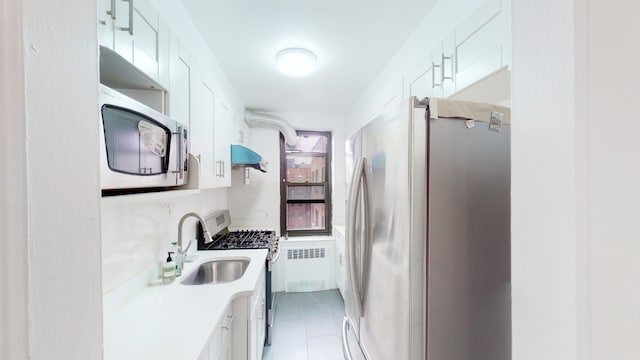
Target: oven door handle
{"x": 275, "y": 257}
{"x": 273, "y": 260}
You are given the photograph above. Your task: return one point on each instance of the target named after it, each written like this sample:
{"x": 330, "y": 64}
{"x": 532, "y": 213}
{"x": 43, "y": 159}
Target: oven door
{"x": 270, "y": 296}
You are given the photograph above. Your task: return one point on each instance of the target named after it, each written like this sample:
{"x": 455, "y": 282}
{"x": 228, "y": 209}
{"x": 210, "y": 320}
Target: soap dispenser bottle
{"x": 178, "y": 257}
{"x": 168, "y": 270}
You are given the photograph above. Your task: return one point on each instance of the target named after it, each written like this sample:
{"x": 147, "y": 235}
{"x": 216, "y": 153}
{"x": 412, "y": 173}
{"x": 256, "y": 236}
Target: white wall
{"x": 52, "y": 254}
{"x": 611, "y": 193}
{"x": 258, "y": 204}
{"x": 544, "y": 181}
{"x": 14, "y": 276}
{"x": 575, "y": 239}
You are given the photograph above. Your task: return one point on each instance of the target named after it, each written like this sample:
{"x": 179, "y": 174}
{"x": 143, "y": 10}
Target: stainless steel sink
{"x": 217, "y": 271}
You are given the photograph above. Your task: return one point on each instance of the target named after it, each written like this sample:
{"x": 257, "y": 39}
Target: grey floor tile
{"x": 307, "y": 326}
{"x": 325, "y": 348}
{"x": 288, "y": 306}
{"x": 318, "y": 320}
{"x": 289, "y": 331}
{"x": 291, "y": 353}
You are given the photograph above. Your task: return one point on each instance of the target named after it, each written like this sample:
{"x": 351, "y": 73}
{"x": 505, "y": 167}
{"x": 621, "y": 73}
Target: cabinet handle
{"x": 433, "y": 75}
{"x": 443, "y": 78}
{"x": 130, "y": 28}
{"x": 261, "y": 316}
{"x": 224, "y": 171}
{"x": 112, "y": 11}
{"x": 228, "y": 326}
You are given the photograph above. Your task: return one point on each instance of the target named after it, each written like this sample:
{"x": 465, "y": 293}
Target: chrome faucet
{"x": 205, "y": 230}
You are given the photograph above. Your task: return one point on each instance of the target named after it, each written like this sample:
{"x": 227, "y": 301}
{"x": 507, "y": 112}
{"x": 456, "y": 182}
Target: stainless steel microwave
{"x": 140, "y": 147}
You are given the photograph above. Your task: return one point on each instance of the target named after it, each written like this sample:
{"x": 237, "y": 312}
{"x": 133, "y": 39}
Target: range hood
{"x": 243, "y": 157}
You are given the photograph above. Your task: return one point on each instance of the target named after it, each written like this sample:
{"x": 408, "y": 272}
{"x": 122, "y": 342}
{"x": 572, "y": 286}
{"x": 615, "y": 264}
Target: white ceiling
{"x": 353, "y": 40}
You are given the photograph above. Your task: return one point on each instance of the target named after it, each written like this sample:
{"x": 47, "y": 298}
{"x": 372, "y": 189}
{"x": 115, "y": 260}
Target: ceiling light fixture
{"x": 296, "y": 61}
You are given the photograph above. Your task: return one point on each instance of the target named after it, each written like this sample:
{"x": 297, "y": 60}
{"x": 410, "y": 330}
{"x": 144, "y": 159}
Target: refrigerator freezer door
{"x": 469, "y": 242}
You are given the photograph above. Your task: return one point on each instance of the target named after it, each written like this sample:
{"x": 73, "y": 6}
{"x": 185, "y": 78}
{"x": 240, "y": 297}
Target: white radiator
{"x": 307, "y": 267}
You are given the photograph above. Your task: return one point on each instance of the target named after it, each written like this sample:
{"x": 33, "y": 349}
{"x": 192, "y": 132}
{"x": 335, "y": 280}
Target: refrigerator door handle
{"x": 345, "y": 340}
{"x": 354, "y": 193}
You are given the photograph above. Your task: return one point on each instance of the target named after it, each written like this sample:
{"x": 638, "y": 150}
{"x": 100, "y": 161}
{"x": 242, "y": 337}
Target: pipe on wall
{"x": 259, "y": 119}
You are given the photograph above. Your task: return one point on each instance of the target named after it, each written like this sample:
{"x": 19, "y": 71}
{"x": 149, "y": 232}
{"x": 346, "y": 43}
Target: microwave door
{"x": 137, "y": 149}
{"x": 178, "y": 164}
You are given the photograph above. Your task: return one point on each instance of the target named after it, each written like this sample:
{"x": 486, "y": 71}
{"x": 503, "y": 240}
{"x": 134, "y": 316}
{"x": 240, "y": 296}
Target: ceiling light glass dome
{"x": 296, "y": 61}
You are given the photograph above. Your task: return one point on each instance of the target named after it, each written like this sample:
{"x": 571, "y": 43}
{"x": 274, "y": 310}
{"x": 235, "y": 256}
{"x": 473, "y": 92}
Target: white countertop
{"x": 175, "y": 321}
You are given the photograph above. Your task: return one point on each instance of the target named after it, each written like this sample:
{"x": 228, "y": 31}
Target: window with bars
{"x": 305, "y": 190}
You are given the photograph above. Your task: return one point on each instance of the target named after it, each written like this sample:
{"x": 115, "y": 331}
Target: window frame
{"x": 284, "y": 185}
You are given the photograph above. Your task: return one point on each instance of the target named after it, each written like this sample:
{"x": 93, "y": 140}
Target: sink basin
{"x": 217, "y": 271}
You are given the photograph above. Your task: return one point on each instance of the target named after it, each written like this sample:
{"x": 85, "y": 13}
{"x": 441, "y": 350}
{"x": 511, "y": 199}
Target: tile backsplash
{"x": 137, "y": 231}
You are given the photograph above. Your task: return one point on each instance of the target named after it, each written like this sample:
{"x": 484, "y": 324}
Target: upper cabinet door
{"x": 106, "y": 16}
{"x": 180, "y": 83}
{"x": 482, "y": 43}
{"x": 137, "y": 35}
{"x": 223, "y": 135}
{"x": 421, "y": 81}
{"x": 202, "y": 129}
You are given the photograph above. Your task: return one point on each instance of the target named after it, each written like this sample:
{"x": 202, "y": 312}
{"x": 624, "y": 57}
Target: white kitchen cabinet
{"x": 223, "y": 134}
{"x": 139, "y": 37}
{"x": 257, "y": 323}
{"x": 421, "y": 80}
{"x": 219, "y": 346}
{"x": 106, "y": 17}
{"x": 180, "y": 82}
{"x": 477, "y": 48}
{"x": 248, "y": 331}
{"x": 435, "y": 76}
{"x": 482, "y": 43}
{"x": 203, "y": 103}
{"x": 164, "y": 51}
{"x": 241, "y": 130}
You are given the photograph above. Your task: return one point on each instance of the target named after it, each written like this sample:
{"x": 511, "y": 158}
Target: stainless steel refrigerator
{"x": 428, "y": 234}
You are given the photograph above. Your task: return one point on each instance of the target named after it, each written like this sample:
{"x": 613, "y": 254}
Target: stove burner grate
{"x": 244, "y": 239}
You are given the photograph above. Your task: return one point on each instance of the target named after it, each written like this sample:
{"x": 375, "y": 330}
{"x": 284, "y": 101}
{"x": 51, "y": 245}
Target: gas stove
{"x": 243, "y": 239}
{"x": 223, "y": 239}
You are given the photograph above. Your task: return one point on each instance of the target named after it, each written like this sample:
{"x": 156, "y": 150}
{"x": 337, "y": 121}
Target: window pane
{"x": 305, "y": 216}
{"x": 305, "y": 192}
{"x": 305, "y": 168}
{"x": 309, "y": 143}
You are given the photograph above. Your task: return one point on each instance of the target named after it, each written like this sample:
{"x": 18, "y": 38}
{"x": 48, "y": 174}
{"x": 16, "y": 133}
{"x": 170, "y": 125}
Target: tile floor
{"x": 307, "y": 327}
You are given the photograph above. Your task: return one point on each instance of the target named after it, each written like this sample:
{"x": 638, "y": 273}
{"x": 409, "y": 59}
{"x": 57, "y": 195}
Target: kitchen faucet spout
{"x": 205, "y": 230}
